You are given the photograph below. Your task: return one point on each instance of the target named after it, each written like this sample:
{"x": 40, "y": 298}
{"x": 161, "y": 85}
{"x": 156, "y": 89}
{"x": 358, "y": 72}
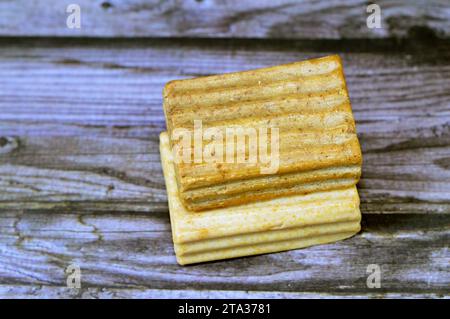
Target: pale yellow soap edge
{"x": 275, "y": 235}
{"x": 263, "y": 248}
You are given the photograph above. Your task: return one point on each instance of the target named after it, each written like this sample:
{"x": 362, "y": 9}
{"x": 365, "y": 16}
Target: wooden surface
{"x": 288, "y": 19}
{"x": 81, "y": 182}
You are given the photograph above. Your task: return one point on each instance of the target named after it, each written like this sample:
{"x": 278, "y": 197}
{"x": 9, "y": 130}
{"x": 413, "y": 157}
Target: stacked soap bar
{"x": 229, "y": 208}
{"x": 306, "y": 101}
{"x": 256, "y": 228}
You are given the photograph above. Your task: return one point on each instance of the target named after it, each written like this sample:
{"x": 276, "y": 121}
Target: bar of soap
{"x": 260, "y": 227}
{"x": 306, "y": 101}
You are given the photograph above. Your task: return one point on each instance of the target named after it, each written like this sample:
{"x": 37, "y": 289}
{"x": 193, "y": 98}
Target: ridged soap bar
{"x": 307, "y": 102}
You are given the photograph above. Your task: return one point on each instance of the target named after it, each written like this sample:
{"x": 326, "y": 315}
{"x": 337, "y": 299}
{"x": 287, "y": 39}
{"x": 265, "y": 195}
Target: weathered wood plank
{"x": 134, "y": 251}
{"x": 236, "y": 19}
{"x": 79, "y": 120}
{"x": 52, "y": 292}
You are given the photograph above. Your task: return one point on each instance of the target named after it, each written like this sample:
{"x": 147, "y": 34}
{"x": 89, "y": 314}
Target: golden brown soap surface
{"x": 306, "y": 101}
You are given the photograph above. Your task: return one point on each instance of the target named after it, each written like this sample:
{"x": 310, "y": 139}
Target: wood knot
{"x": 106, "y": 5}
{"x": 8, "y": 144}
{"x": 423, "y": 33}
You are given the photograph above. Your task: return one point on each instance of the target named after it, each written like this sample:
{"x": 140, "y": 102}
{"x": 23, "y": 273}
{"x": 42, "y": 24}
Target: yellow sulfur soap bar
{"x": 259, "y": 227}
{"x": 304, "y": 105}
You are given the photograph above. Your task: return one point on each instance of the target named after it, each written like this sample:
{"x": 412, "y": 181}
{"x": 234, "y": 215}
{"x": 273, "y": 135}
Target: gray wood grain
{"x": 134, "y": 251}
{"x": 52, "y": 292}
{"x": 80, "y": 179}
{"x": 79, "y": 121}
{"x": 288, "y": 19}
